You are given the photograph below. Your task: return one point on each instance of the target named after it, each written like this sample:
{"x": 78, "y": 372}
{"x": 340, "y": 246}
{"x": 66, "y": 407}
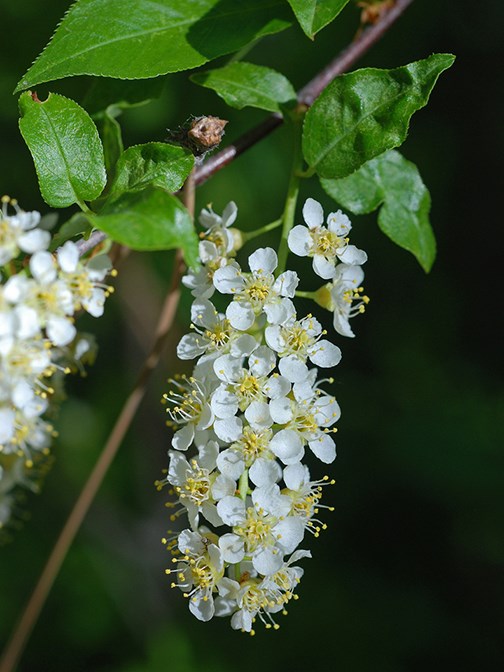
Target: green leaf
{"x": 77, "y": 225}
{"x": 362, "y": 114}
{"x": 393, "y": 181}
{"x": 153, "y": 164}
{"x": 65, "y": 147}
{"x": 121, "y": 94}
{"x": 245, "y": 84}
{"x": 149, "y": 220}
{"x": 135, "y": 39}
{"x": 112, "y": 140}
{"x": 313, "y": 15}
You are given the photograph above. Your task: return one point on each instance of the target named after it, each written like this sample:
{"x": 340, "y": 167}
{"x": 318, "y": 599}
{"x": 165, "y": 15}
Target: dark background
{"x": 408, "y": 577}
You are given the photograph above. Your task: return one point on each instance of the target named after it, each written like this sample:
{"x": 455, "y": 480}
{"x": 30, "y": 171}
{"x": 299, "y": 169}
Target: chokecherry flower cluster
{"x": 40, "y": 295}
{"x": 249, "y": 412}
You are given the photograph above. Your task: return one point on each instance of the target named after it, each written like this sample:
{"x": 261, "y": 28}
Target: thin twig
{"x": 18, "y": 641}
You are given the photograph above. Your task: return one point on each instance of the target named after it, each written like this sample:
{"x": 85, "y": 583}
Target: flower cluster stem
{"x": 292, "y": 196}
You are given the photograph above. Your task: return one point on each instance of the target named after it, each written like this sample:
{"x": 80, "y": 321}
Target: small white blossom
{"x": 297, "y": 341}
{"x": 344, "y": 297}
{"x": 19, "y": 232}
{"x": 325, "y": 245}
{"x": 257, "y": 291}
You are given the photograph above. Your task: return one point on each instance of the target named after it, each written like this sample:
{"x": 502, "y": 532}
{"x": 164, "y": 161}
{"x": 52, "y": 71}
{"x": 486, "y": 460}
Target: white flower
{"x": 240, "y": 386}
{"x": 199, "y": 572}
{"x": 214, "y": 335}
{"x": 297, "y": 341}
{"x": 344, "y": 297}
{"x": 191, "y": 409}
{"x": 198, "y": 485}
{"x": 305, "y": 495}
{"x": 218, "y": 245}
{"x": 325, "y": 245}
{"x": 306, "y": 419}
{"x": 218, "y": 232}
{"x": 257, "y": 291}
{"x": 85, "y": 281}
{"x": 19, "y": 233}
{"x": 261, "y": 530}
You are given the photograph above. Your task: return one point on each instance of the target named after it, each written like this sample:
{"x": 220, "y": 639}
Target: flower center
{"x": 252, "y": 444}
{"x": 327, "y": 243}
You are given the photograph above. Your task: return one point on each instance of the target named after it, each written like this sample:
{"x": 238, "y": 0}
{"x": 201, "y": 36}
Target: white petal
{"x": 240, "y": 314}
{"x": 231, "y": 510}
{"x": 183, "y": 438}
{"x": 313, "y": 214}
{"x": 223, "y": 487}
{"x": 296, "y": 475}
{"x": 286, "y": 283}
{"x": 279, "y": 311}
{"x": 243, "y": 346}
{"x": 274, "y": 338}
{"x": 207, "y": 455}
{"x": 281, "y": 410}
{"x": 277, "y": 386}
{"x": 227, "y": 368}
{"x": 291, "y": 531}
{"x": 224, "y": 404}
{"x": 191, "y": 346}
{"x": 60, "y": 330}
{"x": 267, "y": 561}
{"x": 42, "y": 267}
{"x": 264, "y": 259}
{"x": 201, "y": 608}
{"x": 287, "y": 445}
{"x": 203, "y": 313}
{"x": 229, "y": 429}
{"x": 325, "y": 354}
{"x": 258, "y": 414}
{"x": 7, "y": 416}
{"x": 300, "y": 241}
{"x": 227, "y": 279}
{"x": 229, "y": 214}
{"x": 28, "y": 322}
{"x": 68, "y": 257}
{"x": 264, "y": 473}
{"x": 353, "y": 256}
{"x": 190, "y": 542}
{"x": 230, "y": 464}
{"x": 210, "y": 512}
{"x": 339, "y": 223}
{"x": 294, "y": 369}
{"x": 35, "y": 240}
{"x": 232, "y": 548}
{"x": 324, "y": 268}
{"x": 324, "y": 448}
{"x": 263, "y": 361}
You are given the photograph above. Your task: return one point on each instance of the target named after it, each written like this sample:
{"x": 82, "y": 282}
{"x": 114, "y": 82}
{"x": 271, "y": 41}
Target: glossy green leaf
{"x": 121, "y": 94}
{"x": 247, "y": 85}
{"x": 154, "y": 164}
{"x": 134, "y": 39}
{"x": 65, "y": 147}
{"x": 150, "y": 219}
{"x": 362, "y": 114}
{"x": 112, "y": 140}
{"x": 313, "y": 15}
{"x": 394, "y": 183}
{"x": 77, "y": 225}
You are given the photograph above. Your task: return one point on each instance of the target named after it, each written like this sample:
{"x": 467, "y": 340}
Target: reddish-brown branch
{"x": 307, "y": 94}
